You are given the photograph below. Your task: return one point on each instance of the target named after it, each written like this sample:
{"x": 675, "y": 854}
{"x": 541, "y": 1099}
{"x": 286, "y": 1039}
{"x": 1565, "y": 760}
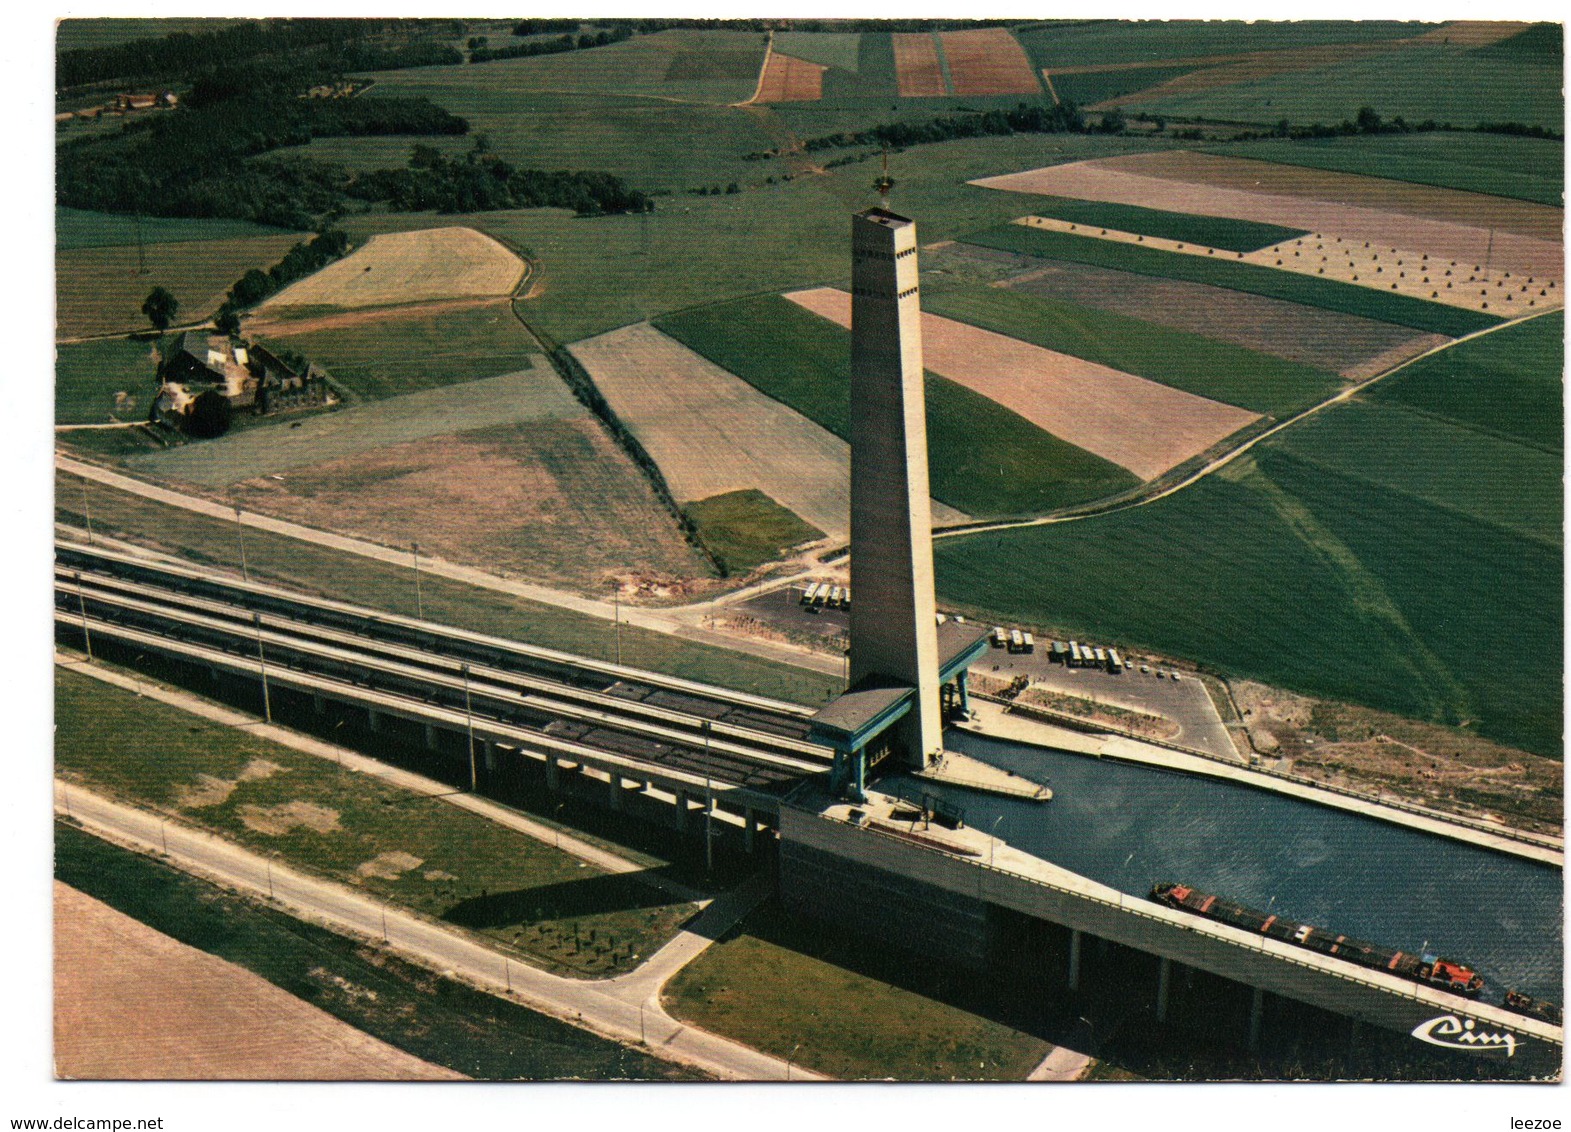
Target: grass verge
{"x": 744, "y": 529}
{"x": 434, "y": 1018}
{"x": 410, "y": 849}
{"x": 823, "y": 999}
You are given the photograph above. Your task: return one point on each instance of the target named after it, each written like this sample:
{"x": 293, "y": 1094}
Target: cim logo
{"x": 1450, "y": 1032}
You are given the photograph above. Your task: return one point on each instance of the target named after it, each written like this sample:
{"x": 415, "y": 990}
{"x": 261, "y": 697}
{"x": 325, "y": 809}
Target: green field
{"x": 1191, "y": 362}
{"x": 983, "y": 459}
{"x": 840, "y": 49}
{"x": 1373, "y": 554}
{"x": 1349, "y": 298}
{"x": 438, "y": 1019}
{"x": 828, "y": 1002}
{"x": 873, "y": 78}
{"x": 400, "y": 354}
{"x": 1118, "y": 41}
{"x": 100, "y": 290}
{"x": 88, "y": 375}
{"x": 1507, "y": 383}
{"x": 74, "y": 34}
{"x": 684, "y": 65}
{"x": 521, "y": 894}
{"x": 745, "y": 529}
{"x": 1440, "y": 83}
{"x": 1525, "y": 168}
{"x": 1208, "y": 231}
{"x": 348, "y": 577}
{"x": 75, "y": 228}
{"x": 1097, "y": 86}
{"x": 1484, "y": 478}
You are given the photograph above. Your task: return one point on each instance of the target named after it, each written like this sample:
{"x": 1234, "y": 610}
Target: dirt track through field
{"x": 988, "y": 61}
{"x": 1328, "y": 340}
{"x": 787, "y": 79}
{"x": 917, "y": 69}
{"x": 1115, "y": 181}
{"x": 711, "y": 432}
{"x": 425, "y": 265}
{"x": 133, "y": 1004}
{"x": 1138, "y": 424}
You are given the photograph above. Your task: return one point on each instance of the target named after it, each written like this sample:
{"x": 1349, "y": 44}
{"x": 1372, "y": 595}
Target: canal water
{"x": 1129, "y": 826}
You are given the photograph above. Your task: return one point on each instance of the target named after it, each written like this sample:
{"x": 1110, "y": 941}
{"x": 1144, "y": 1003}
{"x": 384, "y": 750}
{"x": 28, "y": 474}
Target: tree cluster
{"x": 255, "y": 285}
{"x": 1023, "y": 119}
{"x": 555, "y": 46}
{"x": 480, "y": 181}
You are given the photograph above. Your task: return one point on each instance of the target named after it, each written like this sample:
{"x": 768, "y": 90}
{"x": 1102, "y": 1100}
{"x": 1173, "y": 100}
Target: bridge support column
{"x": 553, "y": 773}
{"x": 430, "y": 737}
{"x": 1074, "y": 960}
{"x": 749, "y": 827}
{"x": 373, "y": 720}
{"x": 318, "y": 704}
{"x": 682, "y": 801}
{"x": 1164, "y": 978}
{"x": 488, "y": 753}
{"x": 1256, "y": 1010}
{"x": 614, "y": 791}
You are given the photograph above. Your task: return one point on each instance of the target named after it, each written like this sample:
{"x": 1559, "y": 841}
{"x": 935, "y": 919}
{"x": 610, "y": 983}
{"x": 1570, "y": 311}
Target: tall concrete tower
{"x": 893, "y": 624}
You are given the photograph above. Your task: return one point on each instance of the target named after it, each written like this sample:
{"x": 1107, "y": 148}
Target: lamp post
{"x": 469, "y": 727}
{"x": 993, "y": 840}
{"x": 791, "y": 1058}
{"x": 616, "y": 597}
{"x": 414, "y": 552}
{"x": 245, "y": 570}
{"x": 642, "y": 1039}
{"x": 709, "y": 806}
{"x": 81, "y": 603}
{"x": 261, "y": 656}
{"x": 87, "y": 513}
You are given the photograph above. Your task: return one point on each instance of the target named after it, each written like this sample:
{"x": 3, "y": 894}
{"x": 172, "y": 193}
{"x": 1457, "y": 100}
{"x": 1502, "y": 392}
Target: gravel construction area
{"x": 917, "y": 68}
{"x": 1135, "y": 181}
{"x": 787, "y": 79}
{"x": 133, "y": 1004}
{"x": 1339, "y": 343}
{"x": 1136, "y": 423}
{"x": 988, "y": 61}
{"x": 711, "y": 432}
{"x": 395, "y": 268}
{"x": 536, "y": 394}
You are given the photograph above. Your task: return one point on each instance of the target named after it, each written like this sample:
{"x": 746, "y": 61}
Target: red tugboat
{"x": 1431, "y": 970}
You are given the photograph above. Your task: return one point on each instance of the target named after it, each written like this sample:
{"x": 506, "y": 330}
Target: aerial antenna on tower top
{"x": 884, "y": 183}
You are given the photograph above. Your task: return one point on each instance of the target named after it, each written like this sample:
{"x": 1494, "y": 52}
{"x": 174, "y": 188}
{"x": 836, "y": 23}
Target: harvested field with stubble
{"x": 130, "y": 1003}
{"x": 550, "y": 498}
{"x": 1328, "y": 340}
{"x": 397, "y": 268}
{"x": 1157, "y": 181}
{"x": 712, "y": 433}
{"x": 787, "y": 79}
{"x": 1137, "y": 424}
{"x": 917, "y": 68}
{"x": 988, "y": 61}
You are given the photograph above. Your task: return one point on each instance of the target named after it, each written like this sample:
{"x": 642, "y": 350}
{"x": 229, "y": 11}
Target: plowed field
{"x": 133, "y": 1004}
{"x": 787, "y": 79}
{"x": 916, "y": 65}
{"x": 989, "y": 61}
{"x": 395, "y": 268}
{"x": 1138, "y": 424}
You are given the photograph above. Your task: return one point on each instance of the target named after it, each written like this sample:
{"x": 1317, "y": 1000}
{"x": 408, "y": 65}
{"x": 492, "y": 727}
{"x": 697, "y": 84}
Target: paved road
{"x": 625, "y": 1009}
{"x": 657, "y": 621}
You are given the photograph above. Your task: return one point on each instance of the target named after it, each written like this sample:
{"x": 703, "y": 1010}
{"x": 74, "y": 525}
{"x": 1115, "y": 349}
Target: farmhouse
{"x": 250, "y": 377}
